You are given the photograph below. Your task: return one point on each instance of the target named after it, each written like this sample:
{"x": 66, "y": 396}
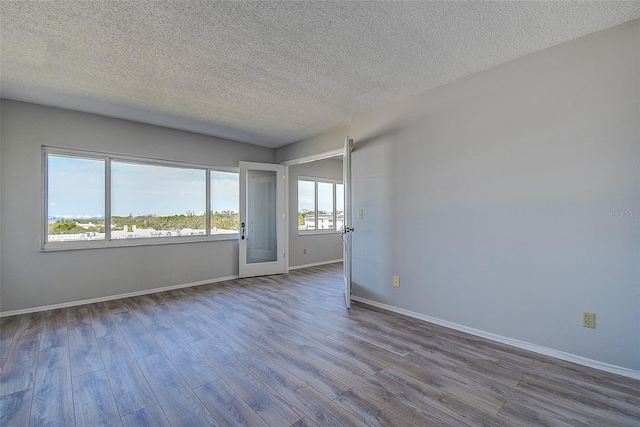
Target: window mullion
{"x": 315, "y": 207}
{"x": 107, "y": 199}
{"x": 207, "y": 213}
{"x": 334, "y": 207}
{"x": 45, "y": 198}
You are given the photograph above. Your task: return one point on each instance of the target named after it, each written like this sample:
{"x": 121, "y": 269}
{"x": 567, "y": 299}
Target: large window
{"x": 156, "y": 201}
{"x": 104, "y": 200}
{"x": 225, "y": 196}
{"x": 320, "y": 205}
{"x": 76, "y": 198}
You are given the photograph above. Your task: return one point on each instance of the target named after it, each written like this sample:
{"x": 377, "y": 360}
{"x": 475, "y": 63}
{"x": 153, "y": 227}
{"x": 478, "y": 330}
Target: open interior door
{"x": 348, "y": 224}
{"x": 263, "y": 223}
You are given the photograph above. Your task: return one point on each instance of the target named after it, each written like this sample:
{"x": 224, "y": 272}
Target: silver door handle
{"x": 346, "y": 230}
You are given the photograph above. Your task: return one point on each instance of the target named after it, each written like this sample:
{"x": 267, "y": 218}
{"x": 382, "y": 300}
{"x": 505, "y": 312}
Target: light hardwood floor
{"x": 283, "y": 351}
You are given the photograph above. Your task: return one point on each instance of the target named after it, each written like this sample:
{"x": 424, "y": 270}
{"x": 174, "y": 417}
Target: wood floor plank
{"x": 130, "y": 388}
{"x": 84, "y": 353}
{"x": 220, "y": 312}
{"x": 102, "y": 320}
{"x": 182, "y": 305}
{"x": 496, "y": 387}
{"x": 187, "y": 330}
{"x": 301, "y": 316}
{"x": 226, "y": 406}
{"x": 116, "y": 306}
{"x": 93, "y": 401}
{"x": 448, "y": 337}
{"x": 19, "y": 369}
{"x": 178, "y": 401}
{"x": 337, "y": 349}
{"x": 462, "y": 390}
{"x": 386, "y": 342}
{"x": 313, "y": 404}
{"x": 144, "y": 312}
{"x": 54, "y": 330}
{"x": 419, "y": 337}
{"x": 381, "y": 355}
{"x": 614, "y": 398}
{"x": 579, "y": 400}
{"x": 587, "y": 375}
{"x": 245, "y": 353}
{"x": 369, "y": 412}
{"x": 324, "y": 382}
{"x": 411, "y": 405}
{"x": 251, "y": 315}
{"x": 193, "y": 369}
{"x": 549, "y": 414}
{"x": 152, "y": 299}
{"x": 53, "y": 393}
{"x": 329, "y": 363}
{"x": 18, "y": 372}
{"x": 15, "y": 408}
{"x": 472, "y": 361}
{"x": 31, "y": 322}
{"x": 451, "y": 405}
{"x": 305, "y": 422}
{"x": 8, "y": 326}
{"x": 77, "y": 313}
{"x": 147, "y": 417}
{"x": 271, "y": 407}
{"x": 140, "y": 341}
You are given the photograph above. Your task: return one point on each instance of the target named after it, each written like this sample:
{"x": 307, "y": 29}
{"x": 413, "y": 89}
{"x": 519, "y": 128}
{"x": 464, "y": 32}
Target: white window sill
{"x": 121, "y": 243}
{"x": 316, "y": 232}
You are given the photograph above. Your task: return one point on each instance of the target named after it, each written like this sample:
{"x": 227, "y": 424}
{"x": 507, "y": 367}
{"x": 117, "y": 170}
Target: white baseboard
{"x": 112, "y": 297}
{"x": 314, "y": 264}
{"x": 629, "y": 373}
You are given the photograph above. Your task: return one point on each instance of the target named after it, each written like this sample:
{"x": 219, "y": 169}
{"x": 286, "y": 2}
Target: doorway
{"x": 319, "y": 211}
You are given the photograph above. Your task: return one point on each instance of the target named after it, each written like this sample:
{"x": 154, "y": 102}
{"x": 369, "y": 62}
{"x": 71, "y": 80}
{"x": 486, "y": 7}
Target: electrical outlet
{"x": 396, "y": 281}
{"x": 304, "y": 251}
{"x": 588, "y": 320}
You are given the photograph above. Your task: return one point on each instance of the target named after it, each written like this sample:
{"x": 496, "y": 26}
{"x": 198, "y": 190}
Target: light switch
{"x": 360, "y": 214}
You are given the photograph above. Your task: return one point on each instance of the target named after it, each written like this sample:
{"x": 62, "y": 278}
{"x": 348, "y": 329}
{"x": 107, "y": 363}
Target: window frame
{"x": 317, "y": 180}
{"x": 111, "y": 243}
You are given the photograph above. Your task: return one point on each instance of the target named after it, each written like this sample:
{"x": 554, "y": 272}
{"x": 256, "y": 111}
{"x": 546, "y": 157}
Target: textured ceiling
{"x": 268, "y": 73}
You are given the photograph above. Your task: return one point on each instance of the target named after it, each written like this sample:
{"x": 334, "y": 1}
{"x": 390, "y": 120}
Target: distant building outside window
{"x": 320, "y": 205}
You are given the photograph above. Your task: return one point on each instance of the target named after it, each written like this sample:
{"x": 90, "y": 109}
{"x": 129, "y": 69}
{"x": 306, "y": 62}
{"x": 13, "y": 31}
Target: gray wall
{"x": 31, "y": 278}
{"x": 327, "y": 141}
{"x": 320, "y": 247}
{"x": 496, "y": 199}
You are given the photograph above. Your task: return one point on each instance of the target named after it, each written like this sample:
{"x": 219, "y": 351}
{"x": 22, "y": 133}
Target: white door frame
{"x": 302, "y": 160}
{"x": 342, "y": 152}
{"x": 347, "y": 228}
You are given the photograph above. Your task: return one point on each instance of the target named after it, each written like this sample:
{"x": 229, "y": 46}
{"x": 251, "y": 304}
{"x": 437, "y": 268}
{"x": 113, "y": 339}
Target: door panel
{"x": 262, "y": 219}
{"x": 348, "y": 225}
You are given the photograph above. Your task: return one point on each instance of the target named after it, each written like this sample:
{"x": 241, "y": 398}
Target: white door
{"x": 348, "y": 224}
{"x": 263, "y": 223}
